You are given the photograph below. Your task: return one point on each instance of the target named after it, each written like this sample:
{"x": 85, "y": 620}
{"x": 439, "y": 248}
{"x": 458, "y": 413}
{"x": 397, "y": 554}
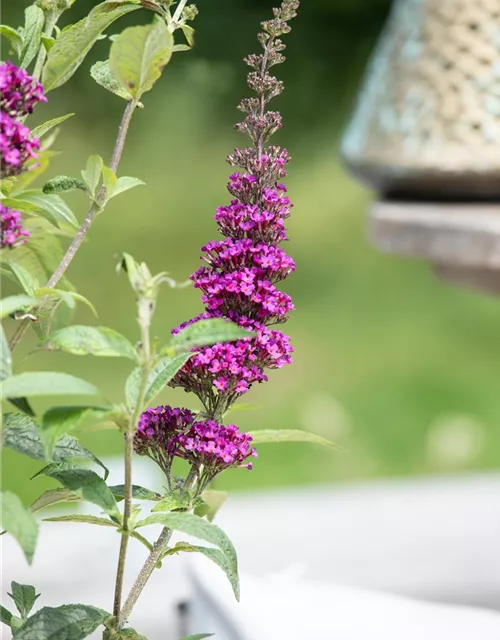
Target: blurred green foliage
{"x": 399, "y": 369}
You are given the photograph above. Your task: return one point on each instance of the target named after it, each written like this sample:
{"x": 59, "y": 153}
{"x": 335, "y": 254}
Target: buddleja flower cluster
{"x": 165, "y": 433}
{"x": 19, "y": 93}
{"x": 11, "y": 228}
{"x": 238, "y": 282}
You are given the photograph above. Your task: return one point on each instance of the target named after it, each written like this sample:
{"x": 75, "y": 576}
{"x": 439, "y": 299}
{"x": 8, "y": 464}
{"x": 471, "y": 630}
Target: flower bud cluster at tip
{"x": 19, "y": 93}
{"x": 239, "y": 279}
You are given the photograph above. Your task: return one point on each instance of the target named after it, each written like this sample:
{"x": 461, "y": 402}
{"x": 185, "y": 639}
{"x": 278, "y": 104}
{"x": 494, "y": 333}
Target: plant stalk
{"x": 129, "y": 441}
{"x": 151, "y": 562}
{"x": 144, "y": 575}
{"x": 178, "y": 12}
{"x": 87, "y": 222}
{"x": 51, "y": 18}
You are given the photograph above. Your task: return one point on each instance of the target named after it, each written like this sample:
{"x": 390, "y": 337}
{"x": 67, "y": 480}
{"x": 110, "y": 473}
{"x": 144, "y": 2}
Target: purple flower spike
{"x": 18, "y": 90}
{"x": 239, "y": 283}
{"x": 239, "y": 279}
{"x": 12, "y": 233}
{"x": 16, "y": 146}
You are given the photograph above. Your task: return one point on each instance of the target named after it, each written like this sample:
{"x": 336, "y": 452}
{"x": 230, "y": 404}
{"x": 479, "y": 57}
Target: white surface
{"x": 430, "y": 538}
{"x": 435, "y": 538}
{"x": 286, "y": 609}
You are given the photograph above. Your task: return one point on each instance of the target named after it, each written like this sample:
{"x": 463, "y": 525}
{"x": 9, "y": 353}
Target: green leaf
{"x": 47, "y": 311}
{"x": 19, "y": 522}
{"x": 60, "y": 420}
{"x": 23, "y": 405}
{"x": 69, "y": 297}
{"x": 11, "y": 304}
{"x": 125, "y": 183}
{"x": 13, "y": 37}
{"x": 159, "y": 377}
{"x": 207, "y": 332}
{"x": 48, "y": 42}
{"x": 92, "y": 173}
{"x": 5, "y": 356}
{"x": 138, "y": 55}
{"x": 27, "y": 268}
{"x": 62, "y": 184}
{"x": 83, "y": 519}
{"x": 45, "y": 383}
{"x": 24, "y": 206}
{"x": 34, "y": 169}
{"x": 63, "y": 465}
{"x": 82, "y": 340}
{"x": 109, "y": 181}
{"x": 75, "y": 42}
{"x": 69, "y": 622}
{"x": 192, "y": 525}
{"x": 24, "y": 596}
{"x": 130, "y": 634}
{"x": 138, "y": 492}
{"x": 265, "y": 436}
{"x": 177, "y": 48}
{"x": 214, "y": 500}
{"x": 216, "y": 556}
{"x": 50, "y": 205}
{"x": 22, "y": 434}
{"x": 5, "y": 615}
{"x": 33, "y": 26}
{"x": 198, "y": 636}
{"x": 15, "y": 624}
{"x": 88, "y": 485}
{"x": 188, "y": 34}
{"x": 53, "y": 496}
{"x": 101, "y": 73}
{"x": 177, "y": 499}
{"x": 44, "y": 128}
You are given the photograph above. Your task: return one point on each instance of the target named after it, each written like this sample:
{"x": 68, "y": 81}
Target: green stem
{"x": 122, "y": 555}
{"x": 144, "y": 575}
{"x": 144, "y": 321}
{"x": 152, "y": 560}
{"x": 51, "y": 18}
{"x": 87, "y": 222}
{"x": 178, "y": 13}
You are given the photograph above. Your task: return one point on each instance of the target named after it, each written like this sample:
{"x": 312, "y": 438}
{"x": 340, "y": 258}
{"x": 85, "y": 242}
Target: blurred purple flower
{"x": 16, "y": 146}
{"x": 19, "y": 92}
{"x": 11, "y": 230}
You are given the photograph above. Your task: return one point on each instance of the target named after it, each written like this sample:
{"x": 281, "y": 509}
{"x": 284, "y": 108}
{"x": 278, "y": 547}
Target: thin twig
{"x": 152, "y": 560}
{"x": 144, "y": 575}
{"x": 122, "y": 555}
{"x": 144, "y": 321}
